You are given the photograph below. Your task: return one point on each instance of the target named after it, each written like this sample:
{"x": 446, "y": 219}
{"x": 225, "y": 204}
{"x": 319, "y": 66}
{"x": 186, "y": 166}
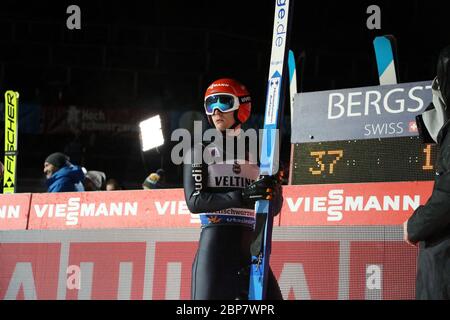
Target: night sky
{"x": 133, "y": 54}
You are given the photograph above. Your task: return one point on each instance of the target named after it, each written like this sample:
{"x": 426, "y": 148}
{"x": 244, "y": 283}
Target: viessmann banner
{"x": 14, "y": 210}
{"x": 322, "y": 205}
{"x": 380, "y": 203}
{"x": 359, "y": 113}
{"x": 117, "y": 209}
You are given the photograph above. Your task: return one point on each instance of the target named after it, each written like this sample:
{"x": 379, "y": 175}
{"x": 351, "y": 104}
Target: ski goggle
{"x": 224, "y": 102}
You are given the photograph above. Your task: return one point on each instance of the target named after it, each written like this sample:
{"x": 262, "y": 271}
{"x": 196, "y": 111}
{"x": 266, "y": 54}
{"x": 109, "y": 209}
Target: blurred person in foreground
{"x": 429, "y": 226}
{"x": 62, "y": 176}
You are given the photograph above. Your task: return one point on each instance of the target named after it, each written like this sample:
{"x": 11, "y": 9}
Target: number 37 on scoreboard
{"x": 377, "y": 160}
{"x": 338, "y": 155}
{"x": 318, "y": 155}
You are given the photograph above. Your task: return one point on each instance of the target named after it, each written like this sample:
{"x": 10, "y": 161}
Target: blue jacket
{"x": 67, "y": 179}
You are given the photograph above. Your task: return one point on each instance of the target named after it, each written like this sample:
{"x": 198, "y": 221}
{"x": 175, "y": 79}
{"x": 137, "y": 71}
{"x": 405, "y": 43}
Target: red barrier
{"x": 381, "y": 203}
{"x": 35, "y": 265}
{"x": 389, "y": 203}
{"x": 14, "y": 210}
{"x": 114, "y": 209}
{"x": 341, "y": 241}
{"x": 96, "y": 265}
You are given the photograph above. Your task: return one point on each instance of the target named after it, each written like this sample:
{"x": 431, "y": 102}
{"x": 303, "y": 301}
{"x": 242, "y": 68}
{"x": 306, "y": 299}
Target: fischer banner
{"x": 11, "y": 138}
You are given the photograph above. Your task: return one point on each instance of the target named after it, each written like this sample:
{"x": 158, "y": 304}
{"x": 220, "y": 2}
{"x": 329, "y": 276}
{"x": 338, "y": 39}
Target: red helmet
{"x": 228, "y": 95}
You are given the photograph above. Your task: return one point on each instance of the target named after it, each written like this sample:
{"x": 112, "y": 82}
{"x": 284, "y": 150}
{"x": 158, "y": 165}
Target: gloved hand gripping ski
{"x": 266, "y": 188}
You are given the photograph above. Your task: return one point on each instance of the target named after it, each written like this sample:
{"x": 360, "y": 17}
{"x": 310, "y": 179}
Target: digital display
{"x": 372, "y": 160}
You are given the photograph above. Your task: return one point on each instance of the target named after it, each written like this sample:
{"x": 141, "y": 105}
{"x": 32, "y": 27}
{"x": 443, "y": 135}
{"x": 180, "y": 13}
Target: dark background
{"x": 157, "y": 57}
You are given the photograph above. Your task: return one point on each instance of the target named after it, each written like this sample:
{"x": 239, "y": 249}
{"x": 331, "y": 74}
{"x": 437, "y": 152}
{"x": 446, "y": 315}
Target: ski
{"x": 269, "y": 159}
{"x": 11, "y": 136}
{"x": 292, "y": 82}
{"x": 386, "y": 56}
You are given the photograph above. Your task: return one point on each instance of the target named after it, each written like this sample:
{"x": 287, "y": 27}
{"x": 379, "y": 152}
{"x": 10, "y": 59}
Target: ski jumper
{"x": 213, "y": 190}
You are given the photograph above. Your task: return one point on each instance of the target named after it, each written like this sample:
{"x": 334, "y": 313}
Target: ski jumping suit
{"x": 222, "y": 264}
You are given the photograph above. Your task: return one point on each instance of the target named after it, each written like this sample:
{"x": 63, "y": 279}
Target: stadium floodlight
{"x": 151, "y": 133}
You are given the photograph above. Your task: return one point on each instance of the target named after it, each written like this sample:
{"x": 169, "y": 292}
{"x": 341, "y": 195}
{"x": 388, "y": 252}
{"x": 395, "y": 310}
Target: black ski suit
{"x": 222, "y": 263}
{"x": 430, "y": 225}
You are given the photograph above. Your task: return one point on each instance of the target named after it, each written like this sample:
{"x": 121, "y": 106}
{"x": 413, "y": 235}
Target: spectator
{"x": 113, "y": 184}
{"x": 155, "y": 180}
{"x": 62, "y": 176}
{"x": 94, "y": 180}
{"x": 429, "y": 226}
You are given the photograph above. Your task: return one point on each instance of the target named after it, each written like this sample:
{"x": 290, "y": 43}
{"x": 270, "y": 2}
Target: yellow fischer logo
{"x": 11, "y": 133}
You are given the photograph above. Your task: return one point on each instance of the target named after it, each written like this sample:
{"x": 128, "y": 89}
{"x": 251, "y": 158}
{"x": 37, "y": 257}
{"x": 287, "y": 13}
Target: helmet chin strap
{"x": 236, "y": 121}
{"x": 235, "y": 124}
{"x": 233, "y": 130}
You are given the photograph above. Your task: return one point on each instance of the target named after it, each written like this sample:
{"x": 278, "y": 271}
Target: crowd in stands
{"x": 64, "y": 176}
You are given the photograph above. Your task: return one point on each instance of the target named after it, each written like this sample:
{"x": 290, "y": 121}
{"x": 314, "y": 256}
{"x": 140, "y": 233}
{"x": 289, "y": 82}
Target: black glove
{"x": 262, "y": 189}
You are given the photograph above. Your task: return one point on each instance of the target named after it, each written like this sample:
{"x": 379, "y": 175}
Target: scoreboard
{"x": 361, "y": 170}
{"x": 374, "y": 160}
{"x": 361, "y": 135}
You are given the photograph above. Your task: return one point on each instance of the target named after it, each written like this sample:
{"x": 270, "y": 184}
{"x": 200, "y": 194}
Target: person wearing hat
{"x": 113, "y": 184}
{"x": 62, "y": 176}
{"x": 155, "y": 180}
{"x": 94, "y": 180}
